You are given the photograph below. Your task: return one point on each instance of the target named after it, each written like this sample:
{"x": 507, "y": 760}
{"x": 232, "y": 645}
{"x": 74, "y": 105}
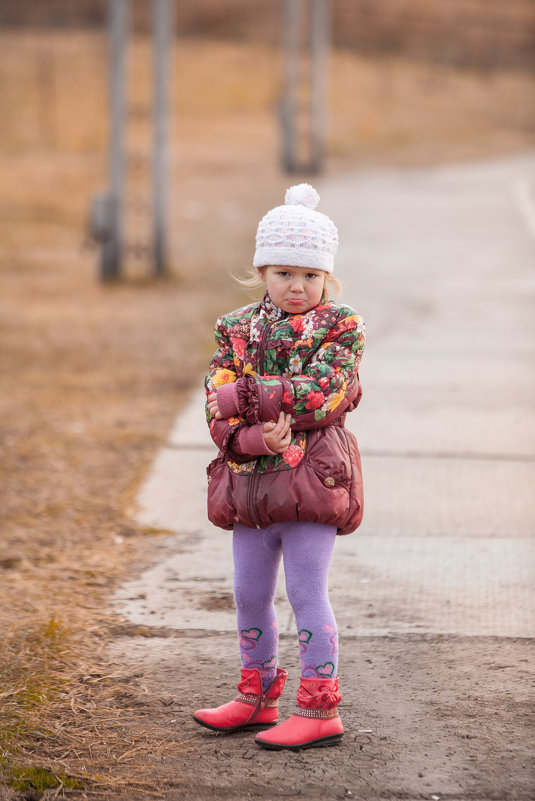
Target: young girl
{"x": 287, "y": 478}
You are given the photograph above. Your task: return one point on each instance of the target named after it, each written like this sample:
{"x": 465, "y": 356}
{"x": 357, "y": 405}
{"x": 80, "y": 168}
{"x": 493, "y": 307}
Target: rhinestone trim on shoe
{"x": 247, "y": 699}
{"x": 253, "y": 700}
{"x": 325, "y": 714}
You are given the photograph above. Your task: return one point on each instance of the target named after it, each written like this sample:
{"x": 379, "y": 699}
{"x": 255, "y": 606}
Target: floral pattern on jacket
{"x": 302, "y": 364}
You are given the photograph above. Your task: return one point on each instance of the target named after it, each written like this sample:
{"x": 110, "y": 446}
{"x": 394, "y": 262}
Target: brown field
{"x": 93, "y": 374}
{"x": 483, "y": 34}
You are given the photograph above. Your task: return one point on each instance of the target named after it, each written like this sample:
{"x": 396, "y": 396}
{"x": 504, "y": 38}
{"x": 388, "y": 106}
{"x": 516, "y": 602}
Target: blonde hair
{"x": 253, "y": 278}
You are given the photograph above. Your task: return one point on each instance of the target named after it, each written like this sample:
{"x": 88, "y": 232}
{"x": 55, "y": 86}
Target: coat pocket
{"x": 221, "y": 509}
{"x": 334, "y": 458}
{"x": 355, "y": 510}
{"x": 329, "y": 456}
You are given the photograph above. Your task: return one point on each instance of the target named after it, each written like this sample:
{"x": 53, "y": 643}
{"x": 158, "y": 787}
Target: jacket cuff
{"x": 248, "y": 399}
{"x": 227, "y": 400}
{"x": 250, "y": 440}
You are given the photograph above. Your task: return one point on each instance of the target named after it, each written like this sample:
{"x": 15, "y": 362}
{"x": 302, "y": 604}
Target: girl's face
{"x": 294, "y": 289}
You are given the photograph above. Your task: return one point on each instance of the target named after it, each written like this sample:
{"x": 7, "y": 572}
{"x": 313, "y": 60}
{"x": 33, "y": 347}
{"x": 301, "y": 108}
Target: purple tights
{"x": 306, "y": 549}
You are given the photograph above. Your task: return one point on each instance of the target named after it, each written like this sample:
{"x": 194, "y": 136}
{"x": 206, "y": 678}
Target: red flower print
{"x": 314, "y": 400}
{"x": 238, "y": 346}
{"x": 347, "y": 324}
{"x": 297, "y": 323}
{"x": 286, "y": 397}
{"x": 293, "y": 455}
{"x": 324, "y": 383}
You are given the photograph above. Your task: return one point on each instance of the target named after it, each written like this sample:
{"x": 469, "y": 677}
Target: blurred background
{"x": 93, "y": 372}
{"x": 407, "y": 81}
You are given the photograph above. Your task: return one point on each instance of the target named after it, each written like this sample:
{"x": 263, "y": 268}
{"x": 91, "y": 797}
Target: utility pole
{"x": 319, "y": 42}
{"x": 109, "y": 209}
{"x": 112, "y": 243}
{"x": 305, "y": 44}
{"x": 291, "y": 31}
{"x": 161, "y": 36}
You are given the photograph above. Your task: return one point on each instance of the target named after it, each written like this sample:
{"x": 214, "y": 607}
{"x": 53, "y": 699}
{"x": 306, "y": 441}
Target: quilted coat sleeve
{"x": 328, "y": 387}
{"x": 221, "y": 372}
{"x": 224, "y": 432}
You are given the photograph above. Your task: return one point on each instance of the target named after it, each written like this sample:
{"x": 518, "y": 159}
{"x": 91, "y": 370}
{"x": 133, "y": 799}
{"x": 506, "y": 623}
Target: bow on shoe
{"x": 319, "y": 695}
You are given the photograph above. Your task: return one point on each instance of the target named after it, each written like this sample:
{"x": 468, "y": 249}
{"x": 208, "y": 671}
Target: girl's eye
{"x": 311, "y": 275}
{"x": 283, "y": 274}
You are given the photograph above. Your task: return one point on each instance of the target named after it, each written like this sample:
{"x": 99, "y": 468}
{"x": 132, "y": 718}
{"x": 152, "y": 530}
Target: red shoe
{"x": 315, "y": 722}
{"x": 252, "y": 709}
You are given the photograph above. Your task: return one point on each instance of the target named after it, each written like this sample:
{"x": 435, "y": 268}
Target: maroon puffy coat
{"x": 305, "y": 365}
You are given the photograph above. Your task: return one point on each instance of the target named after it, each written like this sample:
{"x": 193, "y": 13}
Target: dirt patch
{"x": 424, "y": 716}
{"x": 213, "y": 602}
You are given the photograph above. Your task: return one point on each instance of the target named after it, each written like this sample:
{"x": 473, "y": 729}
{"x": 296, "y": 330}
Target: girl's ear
{"x": 262, "y": 273}
{"x": 332, "y": 287}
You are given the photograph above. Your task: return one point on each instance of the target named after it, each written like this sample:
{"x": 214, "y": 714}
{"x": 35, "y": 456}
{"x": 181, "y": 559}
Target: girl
{"x": 287, "y": 478}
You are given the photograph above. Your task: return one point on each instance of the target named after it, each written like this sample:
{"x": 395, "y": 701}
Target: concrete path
{"x": 441, "y": 264}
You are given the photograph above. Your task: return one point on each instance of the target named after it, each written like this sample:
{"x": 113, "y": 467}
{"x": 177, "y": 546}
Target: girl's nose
{"x": 297, "y": 284}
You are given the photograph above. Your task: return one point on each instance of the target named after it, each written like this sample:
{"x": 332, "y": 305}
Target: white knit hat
{"x": 295, "y": 235}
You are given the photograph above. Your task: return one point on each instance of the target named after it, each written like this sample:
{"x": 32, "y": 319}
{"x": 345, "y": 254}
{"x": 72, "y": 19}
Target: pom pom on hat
{"x": 296, "y": 235}
{"x": 302, "y": 195}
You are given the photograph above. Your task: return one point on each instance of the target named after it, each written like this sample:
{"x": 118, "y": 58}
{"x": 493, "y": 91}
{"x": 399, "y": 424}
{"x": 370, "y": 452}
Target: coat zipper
{"x": 262, "y": 348}
{"x": 253, "y": 481}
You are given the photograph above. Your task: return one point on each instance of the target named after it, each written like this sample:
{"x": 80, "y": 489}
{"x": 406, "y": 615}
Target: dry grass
{"x": 396, "y": 111}
{"x": 93, "y": 374}
{"x": 79, "y": 723}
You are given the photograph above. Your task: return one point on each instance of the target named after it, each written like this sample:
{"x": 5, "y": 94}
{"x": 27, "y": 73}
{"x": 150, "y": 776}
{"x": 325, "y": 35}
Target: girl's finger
{"x": 279, "y": 426}
{"x": 287, "y": 421}
{"x": 286, "y": 426}
{"x": 287, "y": 418}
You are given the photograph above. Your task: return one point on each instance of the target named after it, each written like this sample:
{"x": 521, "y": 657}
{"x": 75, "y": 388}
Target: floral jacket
{"x": 305, "y": 365}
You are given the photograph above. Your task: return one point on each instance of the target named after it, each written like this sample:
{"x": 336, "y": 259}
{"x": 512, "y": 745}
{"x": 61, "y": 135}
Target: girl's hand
{"x": 277, "y": 436}
{"x": 213, "y": 408}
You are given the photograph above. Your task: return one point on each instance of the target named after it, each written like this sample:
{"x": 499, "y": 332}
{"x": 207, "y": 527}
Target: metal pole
{"x": 111, "y": 254}
{"x": 292, "y": 16}
{"x": 162, "y": 32}
{"x": 319, "y": 38}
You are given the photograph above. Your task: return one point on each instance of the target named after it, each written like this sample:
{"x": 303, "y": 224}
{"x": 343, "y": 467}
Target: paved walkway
{"x": 441, "y": 264}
